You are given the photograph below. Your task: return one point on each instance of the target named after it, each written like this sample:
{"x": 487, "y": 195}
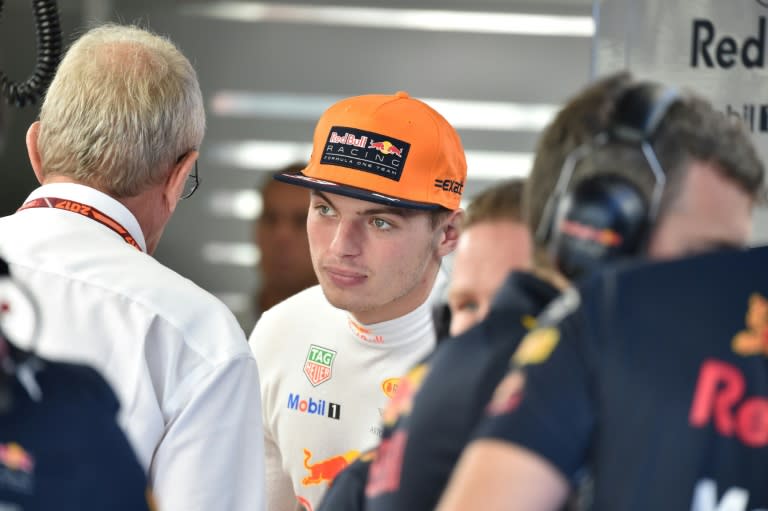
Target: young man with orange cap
{"x": 386, "y": 177}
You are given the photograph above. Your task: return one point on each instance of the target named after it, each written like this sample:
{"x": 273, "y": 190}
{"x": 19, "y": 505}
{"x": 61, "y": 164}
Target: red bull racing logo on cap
{"x": 386, "y": 147}
{"x": 365, "y": 151}
{"x": 318, "y": 367}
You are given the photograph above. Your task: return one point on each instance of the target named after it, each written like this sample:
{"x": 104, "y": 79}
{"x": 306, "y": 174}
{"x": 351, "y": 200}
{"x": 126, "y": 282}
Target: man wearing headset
{"x": 583, "y": 408}
{"x": 705, "y": 159}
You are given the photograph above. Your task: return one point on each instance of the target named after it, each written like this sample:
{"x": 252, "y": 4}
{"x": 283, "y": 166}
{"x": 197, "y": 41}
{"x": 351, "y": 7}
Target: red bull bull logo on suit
{"x": 324, "y": 471}
{"x": 721, "y": 396}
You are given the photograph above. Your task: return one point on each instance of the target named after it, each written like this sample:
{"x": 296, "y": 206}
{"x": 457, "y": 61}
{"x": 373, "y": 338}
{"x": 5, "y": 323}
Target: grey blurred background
{"x": 497, "y": 69}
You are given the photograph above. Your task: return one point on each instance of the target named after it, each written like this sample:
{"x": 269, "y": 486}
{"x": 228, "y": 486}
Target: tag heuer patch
{"x": 319, "y": 364}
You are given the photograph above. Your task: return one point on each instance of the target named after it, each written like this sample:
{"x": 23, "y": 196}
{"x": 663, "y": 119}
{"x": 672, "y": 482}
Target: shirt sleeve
{"x": 212, "y": 455}
{"x": 545, "y": 403}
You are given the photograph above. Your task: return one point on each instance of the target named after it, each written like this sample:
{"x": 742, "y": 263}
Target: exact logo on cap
{"x": 367, "y": 151}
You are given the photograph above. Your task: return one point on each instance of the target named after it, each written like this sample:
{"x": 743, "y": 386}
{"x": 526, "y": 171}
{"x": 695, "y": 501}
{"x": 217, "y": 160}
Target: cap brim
{"x": 299, "y": 179}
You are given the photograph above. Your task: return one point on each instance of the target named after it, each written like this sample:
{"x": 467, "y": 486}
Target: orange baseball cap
{"x": 393, "y": 150}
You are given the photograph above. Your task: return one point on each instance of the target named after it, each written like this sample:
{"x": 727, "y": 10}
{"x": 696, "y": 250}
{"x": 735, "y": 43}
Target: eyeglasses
{"x": 193, "y": 181}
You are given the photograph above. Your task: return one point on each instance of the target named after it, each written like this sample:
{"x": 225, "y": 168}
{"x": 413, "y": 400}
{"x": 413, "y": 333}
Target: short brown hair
{"x": 502, "y": 201}
{"x": 691, "y": 130}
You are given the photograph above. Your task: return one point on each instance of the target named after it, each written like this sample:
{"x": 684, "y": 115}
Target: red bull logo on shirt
{"x": 720, "y": 395}
{"x": 324, "y": 471}
{"x": 16, "y": 469}
{"x": 14, "y": 457}
{"x": 363, "y": 333}
{"x": 754, "y": 339}
{"x": 720, "y": 399}
{"x": 318, "y": 367}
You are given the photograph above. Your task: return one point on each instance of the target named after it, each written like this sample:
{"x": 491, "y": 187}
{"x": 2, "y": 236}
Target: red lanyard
{"x": 86, "y": 211}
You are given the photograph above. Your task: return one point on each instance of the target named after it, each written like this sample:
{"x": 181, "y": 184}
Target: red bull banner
{"x": 715, "y": 47}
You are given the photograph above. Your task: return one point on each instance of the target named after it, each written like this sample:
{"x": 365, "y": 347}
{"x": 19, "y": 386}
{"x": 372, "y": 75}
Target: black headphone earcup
{"x": 604, "y": 218}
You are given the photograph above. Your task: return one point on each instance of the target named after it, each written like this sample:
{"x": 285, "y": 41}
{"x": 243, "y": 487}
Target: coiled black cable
{"x": 49, "y": 45}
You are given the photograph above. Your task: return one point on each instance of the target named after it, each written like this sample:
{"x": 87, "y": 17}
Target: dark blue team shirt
{"x": 437, "y": 405}
{"x": 656, "y": 386}
{"x": 66, "y": 451}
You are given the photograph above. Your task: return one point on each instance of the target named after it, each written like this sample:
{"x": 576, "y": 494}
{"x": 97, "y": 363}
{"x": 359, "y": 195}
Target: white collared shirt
{"x": 174, "y": 354}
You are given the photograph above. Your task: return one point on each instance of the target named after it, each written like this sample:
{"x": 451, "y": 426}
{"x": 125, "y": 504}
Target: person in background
{"x": 114, "y": 151}
{"x": 386, "y": 177}
{"x": 646, "y": 169}
{"x": 663, "y": 407}
{"x": 280, "y": 232}
{"x": 494, "y": 241}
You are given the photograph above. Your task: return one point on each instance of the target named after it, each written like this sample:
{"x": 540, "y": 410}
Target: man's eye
{"x": 380, "y": 223}
{"x": 323, "y": 209}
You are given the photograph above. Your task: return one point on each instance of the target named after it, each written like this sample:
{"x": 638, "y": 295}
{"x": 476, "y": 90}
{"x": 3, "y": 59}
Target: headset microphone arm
{"x": 48, "y": 35}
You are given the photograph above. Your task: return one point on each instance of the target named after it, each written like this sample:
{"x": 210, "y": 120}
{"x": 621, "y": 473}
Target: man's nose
{"x": 347, "y": 239}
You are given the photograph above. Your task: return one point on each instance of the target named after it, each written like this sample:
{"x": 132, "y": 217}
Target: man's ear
{"x": 34, "y": 155}
{"x": 177, "y": 177}
{"x": 450, "y": 229}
